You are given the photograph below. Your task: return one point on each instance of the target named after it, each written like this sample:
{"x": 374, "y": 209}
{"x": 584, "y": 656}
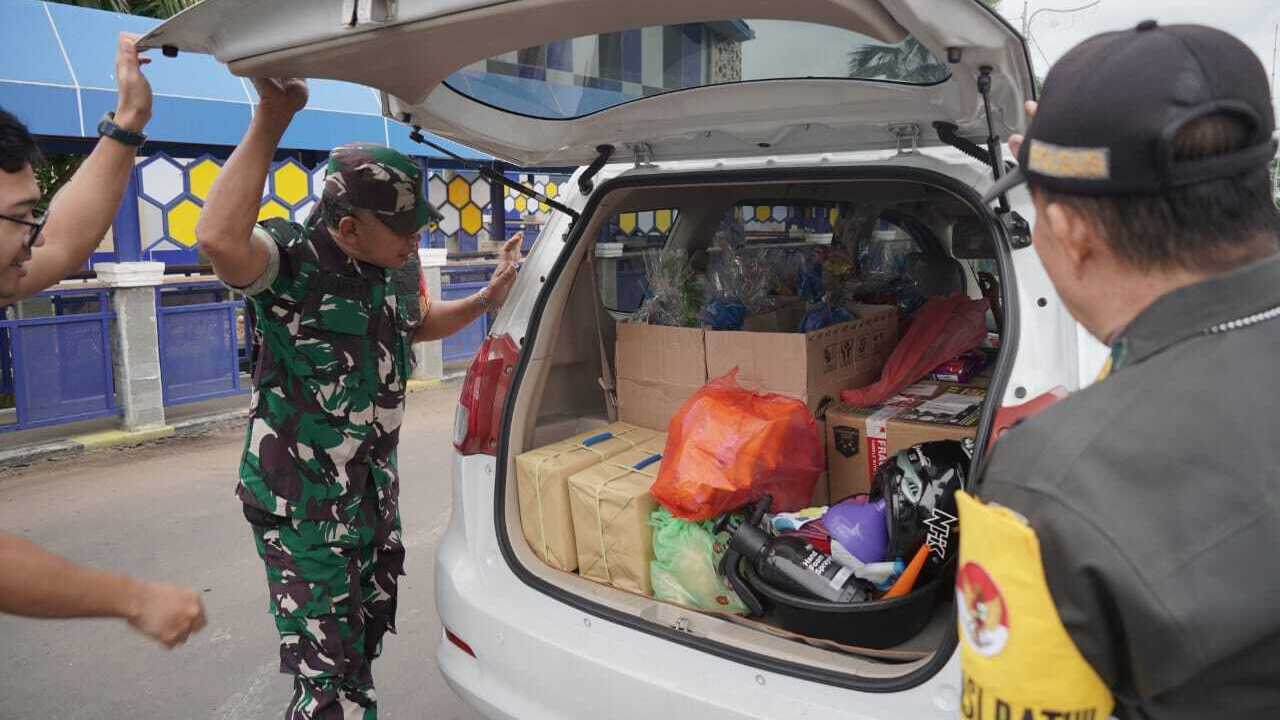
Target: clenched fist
{"x": 166, "y": 613}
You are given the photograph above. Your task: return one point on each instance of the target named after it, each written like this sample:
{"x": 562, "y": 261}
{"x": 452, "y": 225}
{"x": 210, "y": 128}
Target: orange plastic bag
{"x": 942, "y": 329}
{"x": 728, "y": 446}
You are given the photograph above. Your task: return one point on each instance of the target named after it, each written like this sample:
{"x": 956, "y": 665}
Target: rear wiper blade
{"x": 494, "y": 176}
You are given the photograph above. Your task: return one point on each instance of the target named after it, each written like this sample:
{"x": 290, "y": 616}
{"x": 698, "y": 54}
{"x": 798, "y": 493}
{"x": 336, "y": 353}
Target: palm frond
{"x": 908, "y": 61}
{"x": 149, "y": 8}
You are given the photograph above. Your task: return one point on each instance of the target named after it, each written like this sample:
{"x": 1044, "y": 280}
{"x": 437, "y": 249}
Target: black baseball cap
{"x": 1112, "y": 106}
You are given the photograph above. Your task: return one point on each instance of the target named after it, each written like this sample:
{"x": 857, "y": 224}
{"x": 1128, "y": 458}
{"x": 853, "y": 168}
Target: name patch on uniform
{"x": 1069, "y": 162}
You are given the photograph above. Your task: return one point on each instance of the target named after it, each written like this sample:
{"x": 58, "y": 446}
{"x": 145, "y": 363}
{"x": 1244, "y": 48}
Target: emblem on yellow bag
{"x": 984, "y": 616}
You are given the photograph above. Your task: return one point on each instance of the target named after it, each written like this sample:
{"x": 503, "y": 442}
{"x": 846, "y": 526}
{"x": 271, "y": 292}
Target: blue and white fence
{"x": 202, "y": 342}
{"x": 56, "y": 360}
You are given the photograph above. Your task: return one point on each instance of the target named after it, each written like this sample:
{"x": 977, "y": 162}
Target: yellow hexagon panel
{"x": 182, "y": 223}
{"x": 472, "y": 219}
{"x": 553, "y": 190}
{"x": 291, "y": 183}
{"x": 521, "y": 203}
{"x": 627, "y": 222}
{"x": 202, "y": 175}
{"x": 763, "y": 213}
{"x": 544, "y": 207}
{"x": 459, "y": 192}
{"x": 662, "y": 219}
{"x": 273, "y": 209}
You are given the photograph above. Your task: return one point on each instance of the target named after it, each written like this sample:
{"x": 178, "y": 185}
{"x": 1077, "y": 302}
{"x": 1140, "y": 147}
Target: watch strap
{"x": 108, "y": 128}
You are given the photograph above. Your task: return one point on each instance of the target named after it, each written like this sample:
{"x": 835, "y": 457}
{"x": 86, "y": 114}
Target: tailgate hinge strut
{"x": 993, "y": 140}
{"x": 494, "y": 176}
{"x": 603, "y": 153}
{"x": 949, "y": 134}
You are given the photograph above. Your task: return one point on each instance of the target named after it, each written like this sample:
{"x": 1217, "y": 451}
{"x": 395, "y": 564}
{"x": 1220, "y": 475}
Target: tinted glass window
{"x": 578, "y": 76}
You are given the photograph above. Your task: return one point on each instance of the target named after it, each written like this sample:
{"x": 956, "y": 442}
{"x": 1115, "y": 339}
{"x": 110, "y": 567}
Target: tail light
{"x": 484, "y": 396}
{"x": 1007, "y": 416}
{"x": 458, "y": 642}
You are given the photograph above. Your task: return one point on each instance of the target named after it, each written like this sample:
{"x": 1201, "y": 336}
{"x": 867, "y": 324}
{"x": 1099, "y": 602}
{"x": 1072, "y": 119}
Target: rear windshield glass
{"x": 582, "y": 75}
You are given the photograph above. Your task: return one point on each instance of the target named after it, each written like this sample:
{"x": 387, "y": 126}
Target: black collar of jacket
{"x": 1191, "y": 311}
{"x": 334, "y": 259}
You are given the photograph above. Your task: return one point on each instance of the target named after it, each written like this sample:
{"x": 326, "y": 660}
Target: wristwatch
{"x": 486, "y": 301}
{"x": 109, "y": 128}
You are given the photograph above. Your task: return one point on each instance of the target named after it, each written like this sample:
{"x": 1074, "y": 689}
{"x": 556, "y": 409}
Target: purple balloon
{"x": 860, "y": 528}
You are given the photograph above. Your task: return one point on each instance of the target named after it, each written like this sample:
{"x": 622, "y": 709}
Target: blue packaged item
{"x": 722, "y": 314}
{"x": 809, "y": 281}
{"x": 822, "y": 315}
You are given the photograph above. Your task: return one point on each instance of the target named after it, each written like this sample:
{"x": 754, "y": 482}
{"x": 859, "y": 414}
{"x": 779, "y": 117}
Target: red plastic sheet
{"x": 941, "y": 330}
{"x": 728, "y": 446}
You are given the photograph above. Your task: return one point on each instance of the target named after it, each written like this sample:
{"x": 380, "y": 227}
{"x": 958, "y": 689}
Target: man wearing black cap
{"x": 1120, "y": 555}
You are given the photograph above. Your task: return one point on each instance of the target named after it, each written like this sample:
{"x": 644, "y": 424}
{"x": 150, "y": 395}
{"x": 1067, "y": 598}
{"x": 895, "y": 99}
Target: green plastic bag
{"x": 684, "y": 568}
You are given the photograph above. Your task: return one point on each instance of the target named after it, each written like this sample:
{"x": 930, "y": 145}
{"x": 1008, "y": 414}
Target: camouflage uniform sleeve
{"x": 277, "y": 278}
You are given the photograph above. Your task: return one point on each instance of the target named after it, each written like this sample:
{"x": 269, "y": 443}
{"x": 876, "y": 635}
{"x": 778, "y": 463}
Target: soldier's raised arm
{"x": 225, "y": 230}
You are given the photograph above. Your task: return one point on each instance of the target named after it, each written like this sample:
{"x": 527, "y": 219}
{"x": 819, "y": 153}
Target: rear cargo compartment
{"x": 671, "y": 286}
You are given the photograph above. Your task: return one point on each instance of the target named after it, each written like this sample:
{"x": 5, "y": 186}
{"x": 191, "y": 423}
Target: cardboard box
{"x": 810, "y": 367}
{"x": 610, "y": 503}
{"x": 658, "y": 368}
{"x": 542, "y": 484}
{"x": 859, "y": 440}
{"x": 785, "y": 317}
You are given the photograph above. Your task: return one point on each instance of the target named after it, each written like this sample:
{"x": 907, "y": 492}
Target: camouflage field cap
{"x": 382, "y": 181}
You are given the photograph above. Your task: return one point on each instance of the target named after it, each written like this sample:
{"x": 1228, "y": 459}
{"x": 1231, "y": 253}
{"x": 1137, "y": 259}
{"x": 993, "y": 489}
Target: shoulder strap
{"x": 606, "y": 367}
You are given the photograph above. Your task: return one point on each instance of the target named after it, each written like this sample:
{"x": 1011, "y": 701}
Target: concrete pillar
{"x": 136, "y": 340}
{"x": 429, "y": 356}
{"x": 607, "y": 257}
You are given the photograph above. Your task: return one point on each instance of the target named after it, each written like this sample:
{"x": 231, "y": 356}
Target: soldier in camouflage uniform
{"x": 318, "y": 479}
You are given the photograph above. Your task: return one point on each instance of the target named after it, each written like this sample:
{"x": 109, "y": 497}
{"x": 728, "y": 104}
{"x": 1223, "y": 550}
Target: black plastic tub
{"x": 878, "y": 624}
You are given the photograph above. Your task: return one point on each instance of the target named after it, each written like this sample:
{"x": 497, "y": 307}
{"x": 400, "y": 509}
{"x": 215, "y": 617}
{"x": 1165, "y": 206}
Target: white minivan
{"x": 682, "y": 116}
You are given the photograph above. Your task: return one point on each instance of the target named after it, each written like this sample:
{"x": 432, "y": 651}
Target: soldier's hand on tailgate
{"x": 166, "y": 613}
{"x": 281, "y": 98}
{"x": 504, "y": 276}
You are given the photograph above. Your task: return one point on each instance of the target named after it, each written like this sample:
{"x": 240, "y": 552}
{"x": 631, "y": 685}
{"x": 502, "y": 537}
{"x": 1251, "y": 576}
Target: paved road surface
{"x": 167, "y": 512}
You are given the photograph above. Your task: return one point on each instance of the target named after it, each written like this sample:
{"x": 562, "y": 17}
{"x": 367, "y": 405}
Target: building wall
{"x": 172, "y": 192}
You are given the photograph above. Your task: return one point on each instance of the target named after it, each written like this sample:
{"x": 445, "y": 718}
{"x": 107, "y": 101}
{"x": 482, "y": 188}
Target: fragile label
{"x": 877, "y": 453}
{"x": 846, "y": 353}
{"x": 830, "y": 359}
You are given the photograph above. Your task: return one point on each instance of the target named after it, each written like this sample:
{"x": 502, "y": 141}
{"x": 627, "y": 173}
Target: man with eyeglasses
{"x": 37, "y": 251}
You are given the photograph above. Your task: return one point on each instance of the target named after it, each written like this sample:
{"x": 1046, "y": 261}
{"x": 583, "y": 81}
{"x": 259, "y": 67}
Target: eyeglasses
{"x": 35, "y": 227}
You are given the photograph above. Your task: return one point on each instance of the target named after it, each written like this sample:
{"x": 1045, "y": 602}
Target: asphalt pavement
{"x": 167, "y": 511}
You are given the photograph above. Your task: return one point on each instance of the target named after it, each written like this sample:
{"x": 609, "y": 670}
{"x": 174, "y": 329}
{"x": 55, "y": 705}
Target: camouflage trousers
{"x": 332, "y": 590}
